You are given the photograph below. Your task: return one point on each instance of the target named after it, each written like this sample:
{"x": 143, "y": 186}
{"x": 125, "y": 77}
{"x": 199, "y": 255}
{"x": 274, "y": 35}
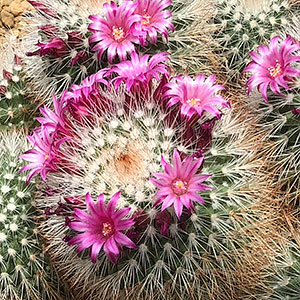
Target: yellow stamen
{"x": 194, "y": 101}
{"x": 118, "y": 33}
{"x": 107, "y": 229}
{"x": 276, "y": 70}
{"x": 179, "y": 187}
{"x": 146, "y": 20}
{"x": 46, "y": 156}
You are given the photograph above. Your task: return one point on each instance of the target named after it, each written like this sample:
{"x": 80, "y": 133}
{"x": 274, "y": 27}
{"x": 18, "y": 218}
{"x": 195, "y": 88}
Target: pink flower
{"x": 53, "y": 120}
{"x": 18, "y": 60}
{"x": 116, "y": 31}
{"x": 101, "y": 227}
{"x": 139, "y": 71}
{"x": 179, "y": 185}
{"x": 80, "y": 57}
{"x": 154, "y": 19}
{"x": 84, "y": 98}
{"x": 272, "y": 67}
{"x": 163, "y": 221}
{"x": 50, "y": 31}
{"x": 55, "y": 48}
{"x": 43, "y": 157}
{"x": 196, "y": 96}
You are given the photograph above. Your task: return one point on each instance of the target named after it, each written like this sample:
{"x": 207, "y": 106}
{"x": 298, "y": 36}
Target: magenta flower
{"x": 163, "y": 220}
{"x": 179, "y": 184}
{"x": 7, "y": 75}
{"x": 80, "y": 57}
{"x": 116, "y": 31}
{"x": 101, "y": 227}
{"x": 139, "y": 71}
{"x": 84, "y": 98}
{"x": 154, "y": 19}
{"x": 50, "y": 31}
{"x": 55, "y": 48}
{"x": 53, "y": 120}
{"x": 43, "y": 156}
{"x": 272, "y": 67}
{"x": 196, "y": 96}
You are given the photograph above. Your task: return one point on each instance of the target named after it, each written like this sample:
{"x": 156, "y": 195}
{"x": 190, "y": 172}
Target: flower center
{"x": 276, "y": 70}
{"x": 106, "y": 229}
{"x": 46, "y": 157}
{"x": 179, "y": 187}
{"x": 146, "y": 20}
{"x": 118, "y": 33}
{"x": 194, "y": 102}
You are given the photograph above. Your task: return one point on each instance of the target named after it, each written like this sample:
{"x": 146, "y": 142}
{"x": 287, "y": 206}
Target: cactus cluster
{"x": 117, "y": 130}
{"x": 179, "y": 258}
{"x": 25, "y": 273}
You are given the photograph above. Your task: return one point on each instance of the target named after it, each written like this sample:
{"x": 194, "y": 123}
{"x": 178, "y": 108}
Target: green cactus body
{"x": 16, "y": 108}
{"x": 286, "y": 281}
{"x": 24, "y": 270}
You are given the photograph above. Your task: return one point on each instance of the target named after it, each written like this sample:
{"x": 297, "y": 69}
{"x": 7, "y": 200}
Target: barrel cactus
{"x": 274, "y": 87}
{"x": 150, "y": 182}
{"x": 129, "y": 140}
{"x": 279, "y": 109}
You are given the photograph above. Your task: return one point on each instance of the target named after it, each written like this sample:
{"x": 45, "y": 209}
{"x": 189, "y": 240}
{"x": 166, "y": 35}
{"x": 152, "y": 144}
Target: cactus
{"x": 25, "y": 272}
{"x": 115, "y": 145}
{"x": 279, "y": 117}
{"x": 120, "y": 150}
{"x": 286, "y": 282}
{"x": 16, "y": 108}
{"x": 247, "y": 24}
